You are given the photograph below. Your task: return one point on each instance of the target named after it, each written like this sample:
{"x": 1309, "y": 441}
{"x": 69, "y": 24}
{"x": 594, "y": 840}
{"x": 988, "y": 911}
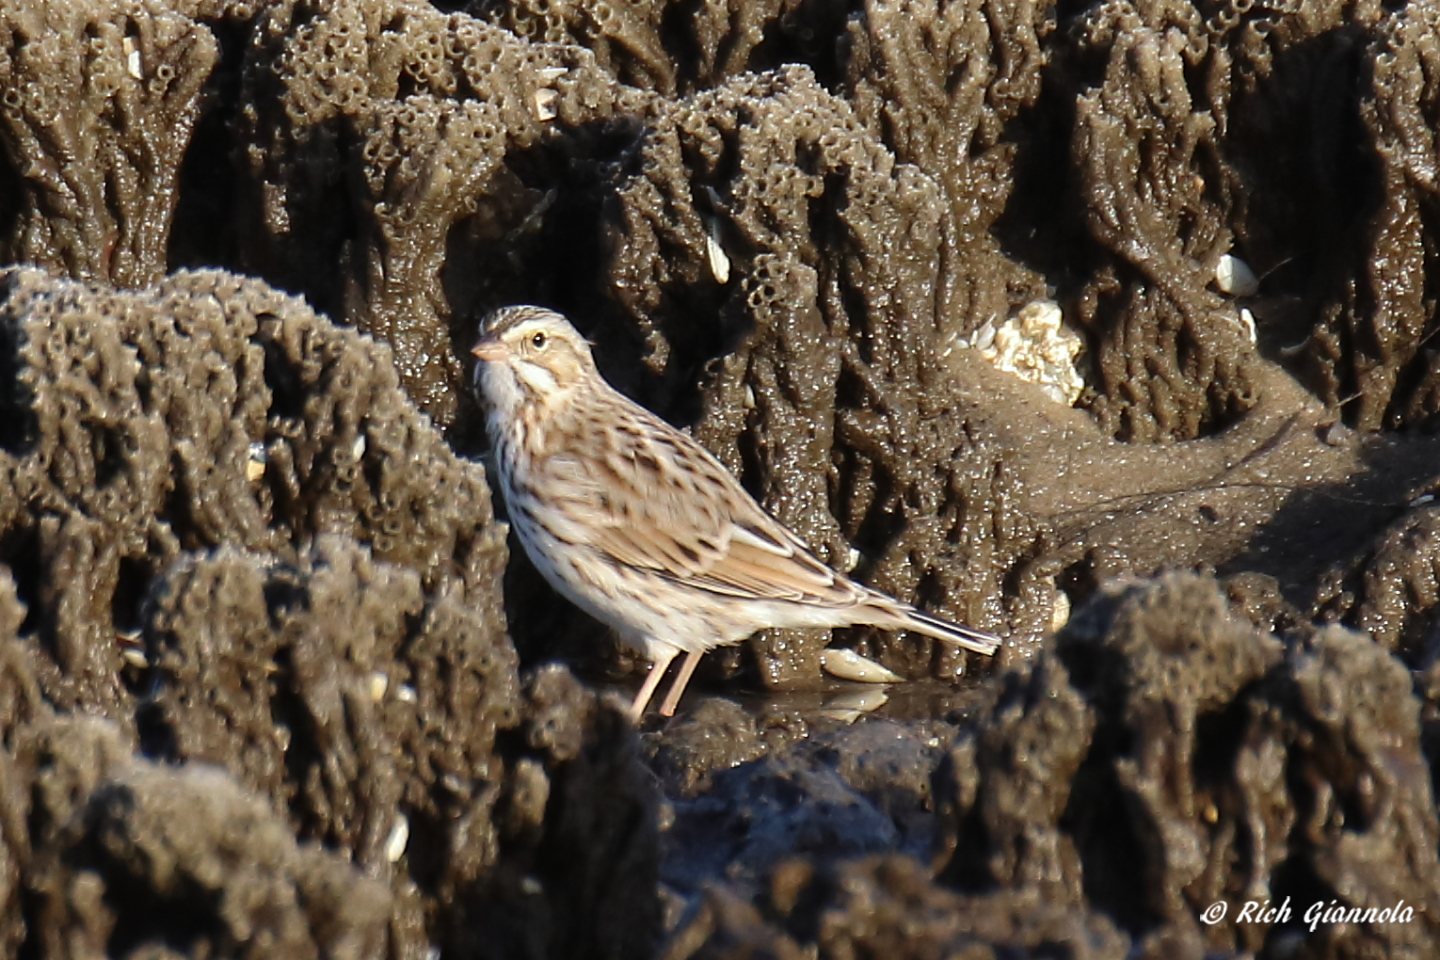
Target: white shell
{"x": 854, "y": 704}
{"x": 378, "y": 682}
{"x": 1234, "y": 276}
{"x": 1247, "y": 320}
{"x": 545, "y": 104}
{"x": 714, "y": 250}
{"x": 133, "y": 64}
{"x": 715, "y": 253}
{"x": 399, "y": 837}
{"x": 1059, "y": 610}
{"x": 849, "y": 665}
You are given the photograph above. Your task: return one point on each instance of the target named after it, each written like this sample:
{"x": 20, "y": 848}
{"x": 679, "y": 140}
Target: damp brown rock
{"x": 587, "y": 839}
{"x": 410, "y": 770}
{"x": 416, "y": 110}
{"x": 624, "y": 36}
{"x": 1393, "y": 368}
{"x": 938, "y": 83}
{"x": 836, "y": 407}
{"x": 122, "y": 852}
{"x": 1171, "y": 355}
{"x": 1199, "y": 716}
{"x": 775, "y": 220}
{"x": 1391, "y": 588}
{"x": 99, "y": 103}
{"x": 133, "y": 418}
{"x": 646, "y": 45}
{"x": 326, "y": 628}
{"x": 1168, "y": 755}
{"x": 305, "y": 641}
{"x": 882, "y": 906}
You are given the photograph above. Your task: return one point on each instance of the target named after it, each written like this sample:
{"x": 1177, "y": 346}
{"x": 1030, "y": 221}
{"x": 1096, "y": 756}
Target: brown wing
{"x": 657, "y": 500}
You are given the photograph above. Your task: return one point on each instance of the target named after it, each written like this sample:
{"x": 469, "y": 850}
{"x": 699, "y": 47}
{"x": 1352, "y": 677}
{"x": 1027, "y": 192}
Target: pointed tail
{"x": 920, "y": 622}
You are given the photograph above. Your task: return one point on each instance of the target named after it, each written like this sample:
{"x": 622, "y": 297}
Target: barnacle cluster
{"x": 1035, "y": 346}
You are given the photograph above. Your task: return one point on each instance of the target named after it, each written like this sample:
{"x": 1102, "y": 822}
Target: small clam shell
{"x": 853, "y": 704}
{"x": 132, "y": 647}
{"x": 715, "y": 253}
{"x": 849, "y": 665}
{"x": 399, "y": 837}
{"x": 1234, "y": 276}
{"x": 1060, "y": 610}
{"x": 714, "y": 249}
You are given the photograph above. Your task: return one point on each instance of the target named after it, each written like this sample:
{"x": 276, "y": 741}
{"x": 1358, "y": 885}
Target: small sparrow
{"x": 640, "y": 526}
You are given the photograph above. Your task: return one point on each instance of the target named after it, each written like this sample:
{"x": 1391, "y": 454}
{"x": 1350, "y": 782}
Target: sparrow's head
{"x": 529, "y": 356}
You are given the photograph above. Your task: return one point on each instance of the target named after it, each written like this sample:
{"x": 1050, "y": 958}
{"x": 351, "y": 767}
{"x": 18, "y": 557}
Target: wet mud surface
{"x": 274, "y": 682}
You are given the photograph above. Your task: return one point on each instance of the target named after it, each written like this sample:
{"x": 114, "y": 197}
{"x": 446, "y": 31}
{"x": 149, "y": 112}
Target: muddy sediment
{"x": 272, "y": 682}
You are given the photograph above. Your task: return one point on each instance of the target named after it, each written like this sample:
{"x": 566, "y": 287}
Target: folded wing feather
{"x": 695, "y": 525}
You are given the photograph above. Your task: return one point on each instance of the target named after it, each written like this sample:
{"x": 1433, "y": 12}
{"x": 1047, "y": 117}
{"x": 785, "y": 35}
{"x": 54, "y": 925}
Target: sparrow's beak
{"x": 489, "y": 349}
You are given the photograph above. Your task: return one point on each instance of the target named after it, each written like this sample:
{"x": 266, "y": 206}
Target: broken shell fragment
{"x": 1247, "y": 320}
{"x": 133, "y": 64}
{"x": 255, "y": 462}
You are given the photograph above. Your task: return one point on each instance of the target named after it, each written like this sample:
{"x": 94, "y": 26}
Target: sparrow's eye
{"x": 538, "y": 341}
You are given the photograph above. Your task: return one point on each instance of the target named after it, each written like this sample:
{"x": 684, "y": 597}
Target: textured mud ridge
{"x": 272, "y": 685}
{"x": 209, "y": 477}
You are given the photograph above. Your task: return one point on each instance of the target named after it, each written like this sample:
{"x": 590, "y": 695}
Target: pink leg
{"x": 672, "y": 699}
{"x": 647, "y": 689}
